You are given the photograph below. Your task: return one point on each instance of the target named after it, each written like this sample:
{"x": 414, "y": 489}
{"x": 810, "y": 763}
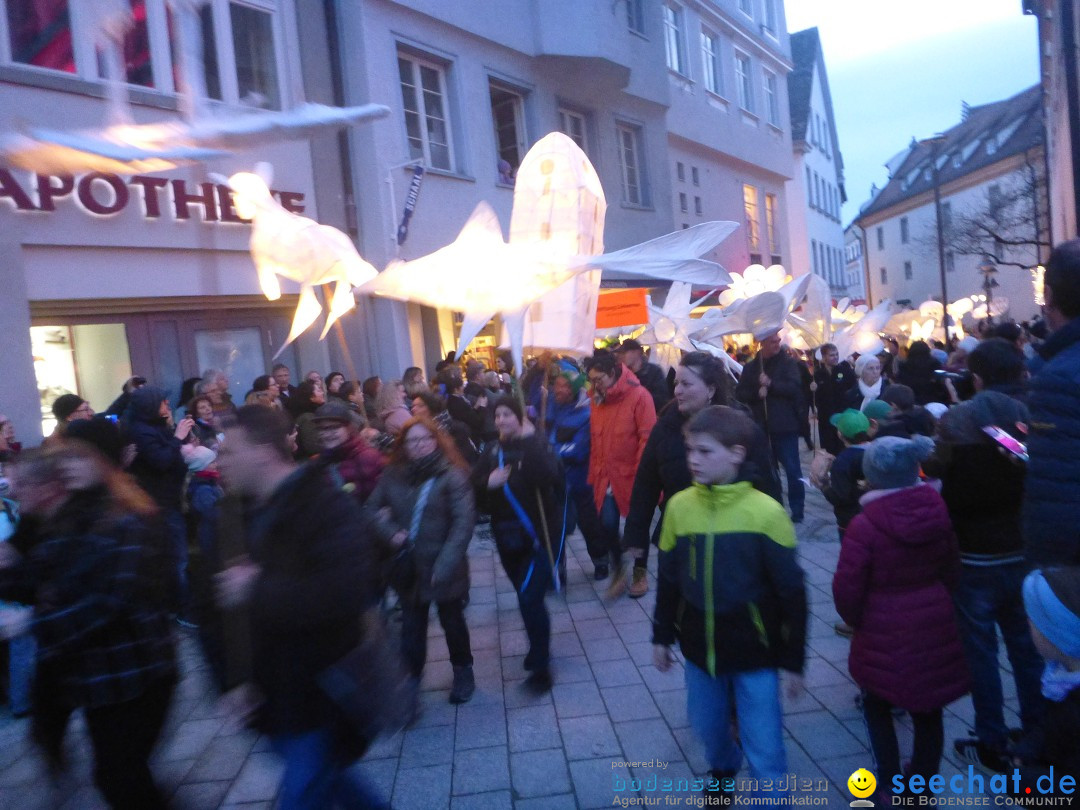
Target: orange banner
{"x": 621, "y": 308}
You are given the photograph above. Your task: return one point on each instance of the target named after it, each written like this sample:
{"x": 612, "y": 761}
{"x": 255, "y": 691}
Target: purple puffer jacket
{"x": 898, "y": 561}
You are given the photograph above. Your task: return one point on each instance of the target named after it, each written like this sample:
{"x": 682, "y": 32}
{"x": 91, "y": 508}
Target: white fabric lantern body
{"x": 559, "y": 210}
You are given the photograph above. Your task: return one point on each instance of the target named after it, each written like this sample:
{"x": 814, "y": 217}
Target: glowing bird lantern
{"x": 124, "y": 147}
{"x": 561, "y": 220}
{"x": 300, "y": 249}
{"x": 818, "y": 322}
{"x": 754, "y": 280}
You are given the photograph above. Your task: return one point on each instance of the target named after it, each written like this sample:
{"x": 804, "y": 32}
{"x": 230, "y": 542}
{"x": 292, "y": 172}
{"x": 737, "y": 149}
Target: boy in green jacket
{"x": 730, "y": 589}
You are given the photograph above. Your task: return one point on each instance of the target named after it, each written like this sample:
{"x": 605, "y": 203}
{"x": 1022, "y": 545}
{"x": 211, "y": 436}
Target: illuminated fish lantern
{"x": 299, "y": 249}
{"x": 556, "y": 239}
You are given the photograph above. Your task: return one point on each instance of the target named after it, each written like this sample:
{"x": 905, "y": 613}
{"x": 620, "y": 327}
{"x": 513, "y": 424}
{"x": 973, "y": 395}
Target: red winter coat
{"x": 619, "y": 428}
{"x": 898, "y": 561}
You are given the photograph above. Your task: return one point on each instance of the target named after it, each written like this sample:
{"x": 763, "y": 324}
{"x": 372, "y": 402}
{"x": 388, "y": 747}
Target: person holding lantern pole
{"x": 519, "y": 479}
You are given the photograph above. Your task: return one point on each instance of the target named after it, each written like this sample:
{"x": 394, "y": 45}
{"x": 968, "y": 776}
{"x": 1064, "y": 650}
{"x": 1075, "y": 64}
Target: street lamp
{"x": 935, "y": 148}
{"x": 988, "y": 270}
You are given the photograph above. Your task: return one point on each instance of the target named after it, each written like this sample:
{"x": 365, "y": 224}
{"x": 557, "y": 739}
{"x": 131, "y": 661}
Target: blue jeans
{"x": 609, "y": 526}
{"x": 177, "y": 545}
{"x": 601, "y": 542}
{"x": 785, "y": 450}
{"x": 315, "y": 780}
{"x": 21, "y": 652}
{"x": 527, "y": 566}
{"x": 989, "y": 597}
{"x": 757, "y": 707}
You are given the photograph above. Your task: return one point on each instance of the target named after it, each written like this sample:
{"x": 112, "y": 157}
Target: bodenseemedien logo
{"x": 862, "y": 784}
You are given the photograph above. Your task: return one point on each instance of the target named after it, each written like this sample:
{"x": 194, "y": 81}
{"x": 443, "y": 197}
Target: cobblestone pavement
{"x": 506, "y": 748}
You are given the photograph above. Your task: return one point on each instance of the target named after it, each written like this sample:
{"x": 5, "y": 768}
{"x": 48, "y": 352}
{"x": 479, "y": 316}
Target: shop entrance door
{"x": 93, "y": 354}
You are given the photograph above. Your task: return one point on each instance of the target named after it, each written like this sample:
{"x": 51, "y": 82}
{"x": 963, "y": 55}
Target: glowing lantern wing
{"x": 814, "y": 320}
{"x": 675, "y": 256}
{"x": 308, "y": 310}
{"x": 760, "y": 315}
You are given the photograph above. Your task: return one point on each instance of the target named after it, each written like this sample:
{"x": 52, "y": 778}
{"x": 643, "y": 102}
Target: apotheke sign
{"x": 107, "y": 195}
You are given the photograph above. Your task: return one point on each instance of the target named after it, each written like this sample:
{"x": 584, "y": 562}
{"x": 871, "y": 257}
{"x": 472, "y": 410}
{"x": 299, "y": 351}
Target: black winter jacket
{"x": 533, "y": 469}
{"x": 316, "y": 552}
{"x": 782, "y": 409}
{"x": 158, "y": 466}
{"x": 983, "y": 489}
{"x": 844, "y": 490}
{"x": 655, "y": 382}
{"x": 663, "y": 471}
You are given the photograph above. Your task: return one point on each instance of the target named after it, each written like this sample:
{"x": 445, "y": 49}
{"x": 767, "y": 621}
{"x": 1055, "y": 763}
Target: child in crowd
{"x": 898, "y": 562}
{"x": 737, "y": 622}
{"x": 915, "y": 418}
{"x": 843, "y": 484}
{"x": 1052, "y": 602}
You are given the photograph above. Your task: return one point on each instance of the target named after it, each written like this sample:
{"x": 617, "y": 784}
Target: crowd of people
{"x": 284, "y": 531}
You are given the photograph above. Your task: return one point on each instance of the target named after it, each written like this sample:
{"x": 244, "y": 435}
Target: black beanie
{"x": 65, "y": 405}
{"x": 513, "y": 404}
{"x": 100, "y": 432}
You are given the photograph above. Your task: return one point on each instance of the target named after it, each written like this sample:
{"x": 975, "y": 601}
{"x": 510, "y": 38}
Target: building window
{"x": 770, "y": 17}
{"x": 39, "y": 34}
{"x": 256, "y": 64}
{"x": 908, "y": 274}
{"x": 673, "y": 38}
{"x": 814, "y": 264}
{"x": 880, "y": 238}
{"x": 770, "y": 223}
{"x": 683, "y": 205}
{"x": 423, "y": 94}
{"x": 697, "y": 206}
{"x": 710, "y": 61}
{"x": 508, "y": 119}
{"x": 903, "y": 230}
{"x": 694, "y": 178}
{"x": 242, "y": 45}
{"x": 137, "y": 64}
{"x": 743, "y": 81}
{"x": 630, "y": 162}
{"x": 884, "y": 276}
{"x": 772, "y": 97}
{"x": 818, "y": 196}
{"x": 680, "y": 171}
{"x": 747, "y": 8}
{"x": 810, "y": 187}
{"x": 572, "y": 124}
{"x": 635, "y": 15}
{"x": 753, "y": 225}
{"x": 950, "y": 262}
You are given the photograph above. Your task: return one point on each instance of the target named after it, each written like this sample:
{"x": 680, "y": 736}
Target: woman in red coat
{"x": 898, "y": 562}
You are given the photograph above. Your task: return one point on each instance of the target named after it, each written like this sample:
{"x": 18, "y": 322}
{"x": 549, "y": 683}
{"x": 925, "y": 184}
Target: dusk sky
{"x": 898, "y": 70}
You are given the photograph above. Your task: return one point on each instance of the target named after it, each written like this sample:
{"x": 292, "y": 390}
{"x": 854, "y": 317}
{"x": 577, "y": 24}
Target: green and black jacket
{"x": 730, "y": 588}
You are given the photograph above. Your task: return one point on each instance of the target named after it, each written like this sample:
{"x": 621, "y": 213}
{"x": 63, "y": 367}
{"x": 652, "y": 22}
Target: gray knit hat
{"x": 892, "y": 463}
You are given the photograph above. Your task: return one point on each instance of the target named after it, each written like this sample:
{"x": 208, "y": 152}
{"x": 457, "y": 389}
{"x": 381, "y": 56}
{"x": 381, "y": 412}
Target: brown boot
{"x": 640, "y": 586}
{"x": 617, "y": 586}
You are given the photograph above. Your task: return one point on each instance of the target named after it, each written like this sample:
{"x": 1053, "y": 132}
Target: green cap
{"x": 850, "y": 423}
{"x": 878, "y": 409}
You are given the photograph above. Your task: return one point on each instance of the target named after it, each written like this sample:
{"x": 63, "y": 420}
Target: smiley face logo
{"x": 861, "y": 783}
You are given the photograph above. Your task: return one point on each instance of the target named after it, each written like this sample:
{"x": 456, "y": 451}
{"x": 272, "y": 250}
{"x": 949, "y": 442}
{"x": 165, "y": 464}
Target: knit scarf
{"x": 421, "y": 469}
{"x": 869, "y": 392}
{"x": 1058, "y": 682}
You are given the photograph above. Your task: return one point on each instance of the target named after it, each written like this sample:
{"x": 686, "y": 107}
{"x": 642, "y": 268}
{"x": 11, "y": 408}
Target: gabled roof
{"x": 1012, "y": 127}
{"x": 808, "y": 58}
